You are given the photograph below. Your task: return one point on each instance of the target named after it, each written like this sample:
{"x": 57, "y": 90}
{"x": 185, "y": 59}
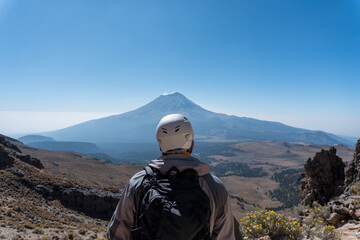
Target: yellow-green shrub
{"x": 38, "y": 230}
{"x": 329, "y": 233}
{"x": 315, "y": 223}
{"x": 355, "y": 189}
{"x": 276, "y": 226}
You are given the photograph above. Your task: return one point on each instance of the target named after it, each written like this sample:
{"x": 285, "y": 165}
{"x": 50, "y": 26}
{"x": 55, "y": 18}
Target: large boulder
{"x": 324, "y": 178}
{"x": 347, "y": 205}
{"x": 94, "y": 202}
{"x": 5, "y": 159}
{"x": 6, "y": 148}
{"x": 353, "y": 169}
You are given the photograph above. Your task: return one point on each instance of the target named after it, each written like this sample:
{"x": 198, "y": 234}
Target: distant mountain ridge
{"x": 35, "y": 138}
{"x": 79, "y": 147}
{"x": 138, "y": 126}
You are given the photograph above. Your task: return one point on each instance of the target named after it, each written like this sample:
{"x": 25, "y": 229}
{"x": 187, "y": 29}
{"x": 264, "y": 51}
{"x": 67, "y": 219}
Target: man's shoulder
{"x": 135, "y": 181}
{"x": 215, "y": 185}
{"x": 216, "y": 180}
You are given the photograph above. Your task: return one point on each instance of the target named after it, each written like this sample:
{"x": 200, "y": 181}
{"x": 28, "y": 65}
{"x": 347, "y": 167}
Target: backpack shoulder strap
{"x": 136, "y": 229}
{"x": 149, "y": 171}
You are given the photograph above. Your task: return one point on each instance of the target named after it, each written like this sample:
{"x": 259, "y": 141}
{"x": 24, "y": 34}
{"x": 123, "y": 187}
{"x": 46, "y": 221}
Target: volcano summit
{"x": 138, "y": 126}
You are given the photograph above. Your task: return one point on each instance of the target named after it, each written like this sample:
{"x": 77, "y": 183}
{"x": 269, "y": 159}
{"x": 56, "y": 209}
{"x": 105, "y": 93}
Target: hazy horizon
{"x": 65, "y": 62}
{"x": 19, "y": 123}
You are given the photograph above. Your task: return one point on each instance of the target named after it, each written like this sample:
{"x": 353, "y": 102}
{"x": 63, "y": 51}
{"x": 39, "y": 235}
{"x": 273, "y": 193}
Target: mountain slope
{"x": 138, "y": 126}
{"x": 34, "y": 138}
{"x": 80, "y": 147}
{"x": 32, "y": 196}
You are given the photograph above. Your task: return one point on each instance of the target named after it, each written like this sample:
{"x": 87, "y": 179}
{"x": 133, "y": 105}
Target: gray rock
{"x": 324, "y": 178}
{"x": 9, "y": 151}
{"x": 353, "y": 169}
{"x": 335, "y": 218}
{"x": 357, "y": 213}
{"x": 341, "y": 210}
{"x": 264, "y": 238}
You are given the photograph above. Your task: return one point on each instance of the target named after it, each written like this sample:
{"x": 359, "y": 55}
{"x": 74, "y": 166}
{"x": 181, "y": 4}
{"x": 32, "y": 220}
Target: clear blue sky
{"x": 297, "y": 62}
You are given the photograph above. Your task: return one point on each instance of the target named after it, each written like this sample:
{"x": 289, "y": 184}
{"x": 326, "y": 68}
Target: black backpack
{"x": 172, "y": 207}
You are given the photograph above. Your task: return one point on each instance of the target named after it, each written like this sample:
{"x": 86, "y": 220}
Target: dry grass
{"x": 67, "y": 167}
{"x": 283, "y": 154}
{"x": 253, "y": 190}
{"x": 82, "y": 168}
{"x": 24, "y": 213}
{"x": 22, "y": 206}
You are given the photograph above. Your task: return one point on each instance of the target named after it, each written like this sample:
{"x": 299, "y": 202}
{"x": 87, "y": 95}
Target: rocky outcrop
{"x": 325, "y": 182}
{"x": 5, "y": 159}
{"x": 346, "y": 207}
{"x": 353, "y": 170}
{"x": 30, "y": 160}
{"x": 343, "y": 209}
{"x": 323, "y": 179}
{"x": 9, "y": 151}
{"x": 94, "y": 202}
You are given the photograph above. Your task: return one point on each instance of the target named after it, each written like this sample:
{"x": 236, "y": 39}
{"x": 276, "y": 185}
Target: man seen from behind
{"x": 175, "y": 196}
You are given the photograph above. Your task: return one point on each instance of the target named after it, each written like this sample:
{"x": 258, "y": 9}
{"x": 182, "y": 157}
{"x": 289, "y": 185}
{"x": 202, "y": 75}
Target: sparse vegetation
{"x": 82, "y": 231}
{"x": 241, "y": 202}
{"x": 269, "y": 223}
{"x": 16, "y": 237}
{"x": 24, "y": 210}
{"x": 355, "y": 189}
{"x": 314, "y": 221}
{"x": 288, "y": 192}
{"x": 38, "y": 230}
{"x": 205, "y": 151}
{"x": 238, "y": 169}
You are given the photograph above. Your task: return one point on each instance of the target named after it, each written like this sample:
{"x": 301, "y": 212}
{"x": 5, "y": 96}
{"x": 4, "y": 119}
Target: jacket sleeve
{"x": 224, "y": 221}
{"x": 222, "y": 218}
{"x": 119, "y": 227}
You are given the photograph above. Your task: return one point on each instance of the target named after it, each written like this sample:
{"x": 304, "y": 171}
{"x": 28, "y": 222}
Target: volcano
{"x": 138, "y": 126}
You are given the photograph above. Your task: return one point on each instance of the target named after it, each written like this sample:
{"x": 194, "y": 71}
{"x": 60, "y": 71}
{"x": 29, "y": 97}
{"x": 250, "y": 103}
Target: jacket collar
{"x": 180, "y": 161}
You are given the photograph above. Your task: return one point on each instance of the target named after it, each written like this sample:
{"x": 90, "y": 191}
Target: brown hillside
{"x": 82, "y": 168}
{"x": 280, "y": 153}
{"x": 30, "y": 197}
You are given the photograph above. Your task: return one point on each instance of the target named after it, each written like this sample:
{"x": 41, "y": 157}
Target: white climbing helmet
{"x": 174, "y": 132}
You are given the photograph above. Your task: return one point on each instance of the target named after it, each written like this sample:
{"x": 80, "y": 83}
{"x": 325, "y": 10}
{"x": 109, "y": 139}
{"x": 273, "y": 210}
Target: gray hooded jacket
{"x": 221, "y": 221}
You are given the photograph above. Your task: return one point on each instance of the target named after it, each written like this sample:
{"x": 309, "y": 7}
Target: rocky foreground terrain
{"x": 328, "y": 183}
{"x": 38, "y": 204}
{"x": 35, "y": 204}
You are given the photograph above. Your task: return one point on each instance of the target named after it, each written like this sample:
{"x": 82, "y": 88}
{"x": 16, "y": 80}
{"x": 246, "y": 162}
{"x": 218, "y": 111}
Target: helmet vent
{"x": 164, "y": 130}
{"x": 177, "y": 128}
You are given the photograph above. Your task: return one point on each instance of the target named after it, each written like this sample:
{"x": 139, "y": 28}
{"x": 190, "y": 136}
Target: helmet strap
{"x": 189, "y": 151}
